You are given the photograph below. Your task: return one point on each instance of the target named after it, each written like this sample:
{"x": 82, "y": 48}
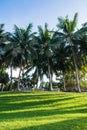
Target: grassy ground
{"x": 43, "y": 111}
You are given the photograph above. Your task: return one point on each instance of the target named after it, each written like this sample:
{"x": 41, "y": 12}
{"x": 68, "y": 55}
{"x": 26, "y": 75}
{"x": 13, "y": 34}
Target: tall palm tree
{"x": 68, "y": 31}
{"x": 61, "y": 60}
{"x": 20, "y": 47}
{"x": 2, "y": 46}
{"x": 43, "y": 40}
{"x": 2, "y": 40}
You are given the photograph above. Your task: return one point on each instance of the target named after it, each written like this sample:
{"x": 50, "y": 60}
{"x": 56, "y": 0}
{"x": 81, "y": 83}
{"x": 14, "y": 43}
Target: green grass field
{"x": 43, "y": 111}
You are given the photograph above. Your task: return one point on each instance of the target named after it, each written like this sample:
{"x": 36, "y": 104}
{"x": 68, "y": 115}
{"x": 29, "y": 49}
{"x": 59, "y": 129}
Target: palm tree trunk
{"x": 22, "y": 72}
{"x": 50, "y": 76}
{"x": 64, "y": 83}
{"x": 38, "y": 80}
{"x": 11, "y": 77}
{"x": 2, "y": 87}
{"x": 18, "y": 87}
{"x": 76, "y": 69}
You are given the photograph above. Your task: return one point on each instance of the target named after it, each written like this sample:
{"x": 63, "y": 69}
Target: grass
{"x": 43, "y": 111}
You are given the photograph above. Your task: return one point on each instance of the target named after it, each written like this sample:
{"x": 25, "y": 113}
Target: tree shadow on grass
{"x": 39, "y": 102}
{"x": 21, "y": 107}
{"x": 6, "y": 98}
{"x": 74, "y": 124}
{"x": 12, "y": 96}
{"x": 35, "y": 101}
{"x": 19, "y": 103}
{"x": 31, "y": 114}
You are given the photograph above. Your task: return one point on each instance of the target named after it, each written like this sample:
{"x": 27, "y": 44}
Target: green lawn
{"x": 43, "y": 111}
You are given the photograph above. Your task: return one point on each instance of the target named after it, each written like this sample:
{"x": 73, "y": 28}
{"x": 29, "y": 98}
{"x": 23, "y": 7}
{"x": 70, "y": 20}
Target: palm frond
{"x": 60, "y": 24}
{"x": 74, "y": 22}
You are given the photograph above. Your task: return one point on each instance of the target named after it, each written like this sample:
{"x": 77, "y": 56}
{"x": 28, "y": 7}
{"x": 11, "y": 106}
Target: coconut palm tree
{"x": 2, "y": 40}
{"x": 68, "y": 31}
{"x": 20, "y": 47}
{"x": 62, "y": 62}
{"x": 43, "y": 40}
{"x": 2, "y": 46}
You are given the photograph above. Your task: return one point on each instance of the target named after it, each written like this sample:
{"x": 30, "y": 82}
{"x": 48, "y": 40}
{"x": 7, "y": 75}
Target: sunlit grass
{"x": 43, "y": 111}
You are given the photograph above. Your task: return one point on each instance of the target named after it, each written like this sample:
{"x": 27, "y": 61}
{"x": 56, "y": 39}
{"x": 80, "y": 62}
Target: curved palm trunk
{"x": 50, "y": 76}
{"x": 76, "y": 69}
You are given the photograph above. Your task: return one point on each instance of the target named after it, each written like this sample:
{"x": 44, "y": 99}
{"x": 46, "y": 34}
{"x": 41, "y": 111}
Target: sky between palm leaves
{"x": 22, "y": 12}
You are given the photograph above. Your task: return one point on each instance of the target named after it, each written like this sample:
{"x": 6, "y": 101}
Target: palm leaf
{"x": 74, "y": 22}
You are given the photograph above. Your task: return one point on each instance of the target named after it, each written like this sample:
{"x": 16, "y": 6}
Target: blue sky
{"x": 22, "y": 12}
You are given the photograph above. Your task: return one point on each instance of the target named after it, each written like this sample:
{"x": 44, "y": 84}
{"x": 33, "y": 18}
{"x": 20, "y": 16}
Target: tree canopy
{"x": 62, "y": 52}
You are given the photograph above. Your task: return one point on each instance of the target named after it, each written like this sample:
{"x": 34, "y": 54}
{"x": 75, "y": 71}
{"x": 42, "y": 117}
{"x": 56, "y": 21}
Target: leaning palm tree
{"x": 68, "y": 31}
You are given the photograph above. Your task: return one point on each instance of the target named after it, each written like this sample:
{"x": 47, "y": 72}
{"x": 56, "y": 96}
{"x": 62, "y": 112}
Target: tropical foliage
{"x": 61, "y": 52}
